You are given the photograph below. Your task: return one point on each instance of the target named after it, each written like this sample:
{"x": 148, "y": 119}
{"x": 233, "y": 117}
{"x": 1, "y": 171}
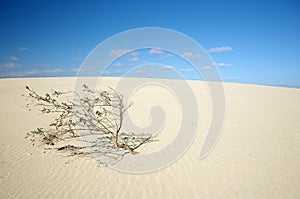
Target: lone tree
{"x": 86, "y": 123}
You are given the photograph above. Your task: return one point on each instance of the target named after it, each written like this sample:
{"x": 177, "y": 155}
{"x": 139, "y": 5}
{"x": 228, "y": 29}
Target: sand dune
{"x": 257, "y": 155}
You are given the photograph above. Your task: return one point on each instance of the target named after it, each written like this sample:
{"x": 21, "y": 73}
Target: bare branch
{"x": 92, "y": 121}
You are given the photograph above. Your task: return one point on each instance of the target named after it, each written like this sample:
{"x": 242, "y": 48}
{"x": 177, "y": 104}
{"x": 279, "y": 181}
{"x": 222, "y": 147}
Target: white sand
{"x": 256, "y": 157}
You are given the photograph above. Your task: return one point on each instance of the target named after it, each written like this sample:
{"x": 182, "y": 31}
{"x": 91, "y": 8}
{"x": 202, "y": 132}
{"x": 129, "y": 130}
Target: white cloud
{"x": 230, "y": 78}
{"x": 134, "y": 54}
{"x": 116, "y": 72}
{"x": 19, "y": 74}
{"x": 40, "y": 65}
{"x": 188, "y": 55}
{"x": 86, "y": 69}
{"x": 94, "y": 64}
{"x": 222, "y": 64}
{"x": 156, "y": 51}
{"x": 141, "y": 72}
{"x": 133, "y": 59}
{"x": 13, "y": 58}
{"x": 166, "y": 67}
{"x": 37, "y": 72}
{"x": 207, "y": 67}
{"x": 220, "y": 49}
{"x": 9, "y": 65}
{"x": 60, "y": 70}
{"x": 132, "y": 64}
{"x": 119, "y": 64}
{"x": 118, "y": 53}
{"x": 23, "y": 48}
{"x": 186, "y": 70}
{"x": 77, "y": 58}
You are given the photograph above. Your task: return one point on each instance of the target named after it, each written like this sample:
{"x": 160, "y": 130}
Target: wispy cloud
{"x": 142, "y": 72}
{"x": 23, "y": 48}
{"x": 222, "y": 64}
{"x": 186, "y": 70}
{"x": 134, "y": 53}
{"x": 119, "y": 64}
{"x": 118, "y": 53}
{"x": 7, "y": 65}
{"x": 166, "y": 67}
{"x": 230, "y": 78}
{"x": 13, "y": 58}
{"x": 19, "y": 74}
{"x": 156, "y": 51}
{"x": 207, "y": 67}
{"x": 133, "y": 59}
{"x": 115, "y": 72}
{"x": 188, "y": 55}
{"x": 77, "y": 58}
{"x": 40, "y": 65}
{"x": 60, "y": 70}
{"x": 220, "y": 49}
{"x": 37, "y": 72}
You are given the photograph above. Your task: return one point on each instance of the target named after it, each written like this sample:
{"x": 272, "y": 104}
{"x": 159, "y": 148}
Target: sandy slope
{"x": 256, "y": 157}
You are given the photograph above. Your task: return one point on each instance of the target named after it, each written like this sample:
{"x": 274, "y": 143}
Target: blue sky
{"x": 250, "y": 41}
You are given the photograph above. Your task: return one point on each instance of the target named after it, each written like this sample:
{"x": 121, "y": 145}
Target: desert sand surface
{"x": 257, "y": 155}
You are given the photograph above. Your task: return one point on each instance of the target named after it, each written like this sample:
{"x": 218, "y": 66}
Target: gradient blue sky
{"x": 250, "y": 41}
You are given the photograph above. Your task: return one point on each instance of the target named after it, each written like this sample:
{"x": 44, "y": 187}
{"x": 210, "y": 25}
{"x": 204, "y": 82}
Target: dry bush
{"x": 87, "y": 123}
